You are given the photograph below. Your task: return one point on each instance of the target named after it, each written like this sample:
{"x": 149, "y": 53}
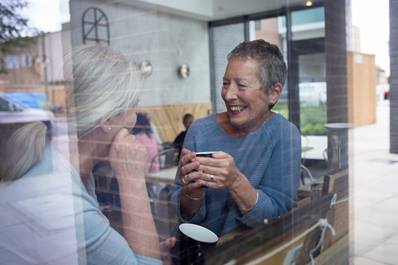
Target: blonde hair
{"x": 24, "y": 149}
{"x": 105, "y": 84}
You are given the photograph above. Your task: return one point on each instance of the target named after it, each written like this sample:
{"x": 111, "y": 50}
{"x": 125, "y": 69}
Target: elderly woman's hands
{"x": 190, "y": 176}
{"x": 216, "y": 172}
{"x": 219, "y": 171}
{"x": 127, "y": 156}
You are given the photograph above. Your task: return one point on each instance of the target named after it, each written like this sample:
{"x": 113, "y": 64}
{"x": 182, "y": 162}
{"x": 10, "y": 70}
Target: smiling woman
{"x": 254, "y": 173}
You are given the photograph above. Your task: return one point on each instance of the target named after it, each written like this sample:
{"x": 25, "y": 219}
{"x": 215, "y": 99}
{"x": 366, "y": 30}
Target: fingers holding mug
{"x": 211, "y": 177}
{"x": 191, "y": 177}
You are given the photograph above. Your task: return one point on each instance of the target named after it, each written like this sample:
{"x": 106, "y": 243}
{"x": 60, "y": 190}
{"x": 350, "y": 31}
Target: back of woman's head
{"x": 105, "y": 84}
{"x": 24, "y": 149}
{"x": 142, "y": 124}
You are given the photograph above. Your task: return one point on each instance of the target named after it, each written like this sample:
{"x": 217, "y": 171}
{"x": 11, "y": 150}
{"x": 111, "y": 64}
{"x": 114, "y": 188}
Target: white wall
{"x": 166, "y": 40}
{"x": 54, "y": 54}
{"x": 215, "y": 9}
{"x": 199, "y": 9}
{"x": 231, "y": 8}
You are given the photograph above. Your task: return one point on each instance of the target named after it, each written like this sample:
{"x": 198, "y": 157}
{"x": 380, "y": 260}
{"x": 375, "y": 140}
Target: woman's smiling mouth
{"x": 236, "y": 109}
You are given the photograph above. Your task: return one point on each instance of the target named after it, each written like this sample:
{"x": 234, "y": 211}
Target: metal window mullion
{"x": 96, "y": 25}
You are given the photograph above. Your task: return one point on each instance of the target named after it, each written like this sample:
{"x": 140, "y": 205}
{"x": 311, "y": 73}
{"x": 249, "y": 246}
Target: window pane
{"x": 273, "y": 31}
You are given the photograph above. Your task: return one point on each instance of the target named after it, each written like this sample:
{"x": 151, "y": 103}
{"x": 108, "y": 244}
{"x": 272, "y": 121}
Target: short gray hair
{"x": 105, "y": 84}
{"x": 272, "y": 67}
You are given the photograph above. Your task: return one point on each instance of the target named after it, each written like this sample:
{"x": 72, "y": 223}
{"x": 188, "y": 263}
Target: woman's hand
{"x": 165, "y": 248}
{"x": 188, "y": 168}
{"x": 190, "y": 177}
{"x": 127, "y": 155}
{"x": 219, "y": 171}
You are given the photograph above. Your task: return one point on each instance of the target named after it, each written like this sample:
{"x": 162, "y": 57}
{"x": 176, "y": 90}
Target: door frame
{"x": 295, "y": 49}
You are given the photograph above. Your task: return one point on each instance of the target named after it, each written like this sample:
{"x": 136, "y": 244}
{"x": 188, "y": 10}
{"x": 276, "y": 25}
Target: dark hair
{"x": 186, "y": 117}
{"x": 142, "y": 125}
{"x": 272, "y": 67}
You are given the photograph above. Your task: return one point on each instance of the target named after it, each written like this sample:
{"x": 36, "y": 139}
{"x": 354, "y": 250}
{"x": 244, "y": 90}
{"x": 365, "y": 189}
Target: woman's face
{"x": 125, "y": 119}
{"x": 247, "y": 104}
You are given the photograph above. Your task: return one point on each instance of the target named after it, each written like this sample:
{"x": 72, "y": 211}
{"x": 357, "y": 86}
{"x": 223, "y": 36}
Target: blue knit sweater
{"x": 269, "y": 157}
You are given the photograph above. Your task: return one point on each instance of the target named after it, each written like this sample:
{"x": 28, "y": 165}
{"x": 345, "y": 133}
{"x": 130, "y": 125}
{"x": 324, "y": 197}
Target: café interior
{"x": 167, "y": 37}
{"x": 180, "y": 48}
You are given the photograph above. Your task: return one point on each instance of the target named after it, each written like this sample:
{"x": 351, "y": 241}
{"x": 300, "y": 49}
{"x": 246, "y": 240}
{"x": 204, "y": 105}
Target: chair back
{"x": 168, "y": 157}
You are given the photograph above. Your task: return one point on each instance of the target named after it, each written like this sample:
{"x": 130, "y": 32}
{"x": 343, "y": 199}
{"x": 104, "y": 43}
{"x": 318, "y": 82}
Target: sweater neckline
{"x": 267, "y": 123}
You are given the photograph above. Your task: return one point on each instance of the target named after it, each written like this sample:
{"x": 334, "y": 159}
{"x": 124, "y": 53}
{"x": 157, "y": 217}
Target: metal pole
{"x": 44, "y": 59}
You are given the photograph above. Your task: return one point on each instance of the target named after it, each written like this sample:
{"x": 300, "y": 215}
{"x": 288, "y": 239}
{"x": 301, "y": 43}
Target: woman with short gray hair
{"x": 253, "y": 171}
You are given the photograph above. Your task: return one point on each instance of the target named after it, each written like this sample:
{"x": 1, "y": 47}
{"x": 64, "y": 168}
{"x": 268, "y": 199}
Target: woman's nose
{"x": 231, "y": 93}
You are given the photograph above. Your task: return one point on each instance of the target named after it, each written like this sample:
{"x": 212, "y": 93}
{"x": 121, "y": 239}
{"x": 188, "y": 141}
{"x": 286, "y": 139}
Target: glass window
{"x": 308, "y": 16}
{"x": 312, "y": 93}
{"x": 224, "y": 39}
{"x": 272, "y": 30}
{"x": 308, "y": 24}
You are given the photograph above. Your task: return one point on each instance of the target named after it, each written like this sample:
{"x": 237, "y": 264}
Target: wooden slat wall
{"x": 361, "y": 88}
{"x": 168, "y": 118}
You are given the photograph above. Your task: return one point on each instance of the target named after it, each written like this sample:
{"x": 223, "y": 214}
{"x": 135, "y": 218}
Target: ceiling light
{"x": 308, "y": 3}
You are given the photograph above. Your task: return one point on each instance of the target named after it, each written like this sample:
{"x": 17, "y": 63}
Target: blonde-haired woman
{"x": 52, "y": 216}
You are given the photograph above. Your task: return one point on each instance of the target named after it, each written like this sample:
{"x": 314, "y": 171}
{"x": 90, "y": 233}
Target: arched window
{"x": 95, "y": 26}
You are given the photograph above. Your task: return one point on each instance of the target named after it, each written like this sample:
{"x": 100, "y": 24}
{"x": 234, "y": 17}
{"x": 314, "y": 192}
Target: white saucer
{"x": 198, "y": 233}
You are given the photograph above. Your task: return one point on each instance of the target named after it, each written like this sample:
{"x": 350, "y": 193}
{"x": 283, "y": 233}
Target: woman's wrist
{"x": 243, "y": 193}
{"x": 237, "y": 182}
{"x": 125, "y": 174}
{"x": 193, "y": 194}
{"x": 192, "y": 198}
{"x": 131, "y": 184}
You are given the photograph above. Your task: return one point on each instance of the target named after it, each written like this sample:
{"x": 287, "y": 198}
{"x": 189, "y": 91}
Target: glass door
{"x": 310, "y": 72}
{"x": 307, "y": 71}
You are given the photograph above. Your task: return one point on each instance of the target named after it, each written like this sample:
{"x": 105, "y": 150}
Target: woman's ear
{"x": 106, "y": 127}
{"x": 275, "y": 93}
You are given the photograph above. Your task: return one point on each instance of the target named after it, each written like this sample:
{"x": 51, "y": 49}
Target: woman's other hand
{"x": 190, "y": 177}
{"x": 188, "y": 168}
{"x": 127, "y": 155}
{"x": 219, "y": 171}
{"x": 165, "y": 248}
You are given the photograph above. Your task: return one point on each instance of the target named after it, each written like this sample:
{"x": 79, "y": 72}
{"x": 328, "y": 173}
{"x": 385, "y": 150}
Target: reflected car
{"x": 12, "y": 111}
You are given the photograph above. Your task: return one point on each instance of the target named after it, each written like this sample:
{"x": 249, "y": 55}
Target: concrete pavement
{"x": 374, "y": 194}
